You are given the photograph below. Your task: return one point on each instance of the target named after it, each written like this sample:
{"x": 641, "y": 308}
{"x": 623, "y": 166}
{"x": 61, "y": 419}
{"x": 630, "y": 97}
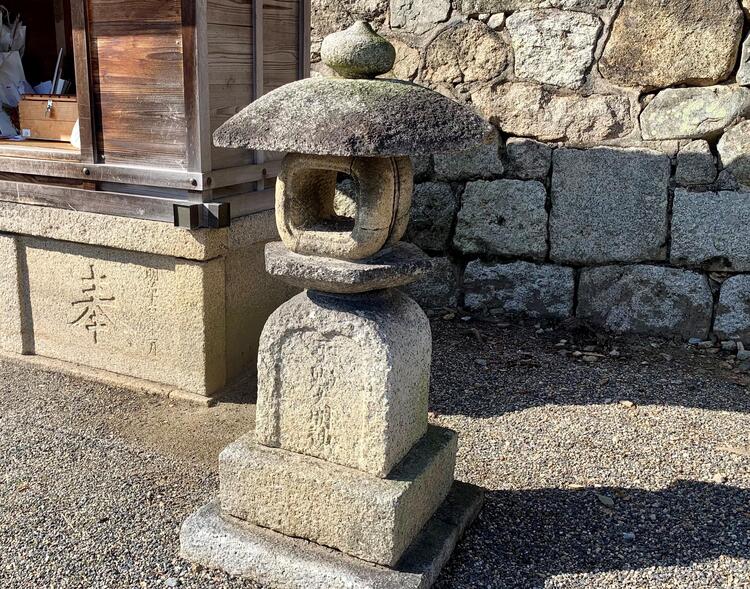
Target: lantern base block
{"x": 216, "y": 540}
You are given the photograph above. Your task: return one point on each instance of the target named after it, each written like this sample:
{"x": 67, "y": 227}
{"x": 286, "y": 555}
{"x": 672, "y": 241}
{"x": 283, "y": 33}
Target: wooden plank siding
{"x": 230, "y": 65}
{"x": 281, "y": 43}
{"x": 137, "y": 76}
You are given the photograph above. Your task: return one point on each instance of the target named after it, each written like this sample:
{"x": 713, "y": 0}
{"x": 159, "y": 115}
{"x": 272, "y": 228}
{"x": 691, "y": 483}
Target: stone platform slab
{"x": 220, "y": 541}
{"x": 366, "y": 516}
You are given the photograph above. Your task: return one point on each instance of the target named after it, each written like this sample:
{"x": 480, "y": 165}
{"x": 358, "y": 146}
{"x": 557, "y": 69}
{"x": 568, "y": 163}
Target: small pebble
{"x": 628, "y": 536}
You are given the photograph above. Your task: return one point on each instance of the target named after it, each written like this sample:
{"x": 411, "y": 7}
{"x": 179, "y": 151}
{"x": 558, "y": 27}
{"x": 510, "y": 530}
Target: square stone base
{"x": 365, "y": 516}
{"x": 216, "y": 540}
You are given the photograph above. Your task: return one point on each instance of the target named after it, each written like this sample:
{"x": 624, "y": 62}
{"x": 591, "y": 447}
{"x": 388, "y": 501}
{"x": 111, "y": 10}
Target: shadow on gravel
{"x": 512, "y": 369}
{"x": 534, "y": 534}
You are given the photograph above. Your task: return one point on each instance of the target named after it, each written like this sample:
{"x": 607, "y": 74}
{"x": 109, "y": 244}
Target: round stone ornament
{"x": 358, "y": 52}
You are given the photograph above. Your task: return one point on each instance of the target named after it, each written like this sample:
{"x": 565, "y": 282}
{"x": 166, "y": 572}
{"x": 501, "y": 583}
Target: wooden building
{"x": 90, "y": 230}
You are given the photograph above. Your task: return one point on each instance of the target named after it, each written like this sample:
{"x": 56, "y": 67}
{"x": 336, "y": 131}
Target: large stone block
{"x": 193, "y": 297}
{"x": 433, "y": 210}
{"x": 467, "y": 52}
{"x": 439, "y": 288}
{"x": 553, "y": 46}
{"x": 520, "y": 289}
{"x": 217, "y": 541}
{"x": 696, "y": 165}
{"x": 734, "y": 152}
{"x": 11, "y": 314}
{"x": 110, "y": 231}
{"x": 709, "y": 230}
{"x": 251, "y": 296}
{"x": 504, "y": 217}
{"x": 532, "y": 110}
{"x": 527, "y": 159}
{"x": 372, "y": 518}
{"x": 481, "y": 162}
{"x": 131, "y": 313}
{"x": 609, "y": 205}
{"x": 693, "y": 113}
{"x": 733, "y": 313}
{"x": 345, "y": 378}
{"x": 660, "y": 44}
{"x": 649, "y": 300}
{"x": 418, "y": 16}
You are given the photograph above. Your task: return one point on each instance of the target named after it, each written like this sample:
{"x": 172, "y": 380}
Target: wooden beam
{"x": 79, "y": 199}
{"x": 160, "y": 177}
{"x": 303, "y": 66}
{"x": 79, "y": 20}
{"x": 258, "y": 69}
{"x": 196, "y": 77}
{"x": 243, "y": 174}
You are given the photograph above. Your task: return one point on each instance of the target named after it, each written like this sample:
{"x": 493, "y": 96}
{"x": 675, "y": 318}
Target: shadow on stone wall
{"x": 525, "y": 537}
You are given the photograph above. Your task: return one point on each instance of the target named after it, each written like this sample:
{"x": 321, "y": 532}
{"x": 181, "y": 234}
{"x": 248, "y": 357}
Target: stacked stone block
{"x": 624, "y": 156}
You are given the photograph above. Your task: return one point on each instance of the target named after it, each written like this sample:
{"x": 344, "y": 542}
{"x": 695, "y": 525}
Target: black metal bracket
{"x": 210, "y": 215}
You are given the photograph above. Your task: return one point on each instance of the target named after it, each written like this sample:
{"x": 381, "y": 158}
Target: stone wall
{"x": 619, "y": 189}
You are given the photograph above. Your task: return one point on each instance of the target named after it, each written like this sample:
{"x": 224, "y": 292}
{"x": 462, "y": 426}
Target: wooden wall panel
{"x": 281, "y": 27}
{"x": 137, "y": 71}
{"x": 230, "y": 57}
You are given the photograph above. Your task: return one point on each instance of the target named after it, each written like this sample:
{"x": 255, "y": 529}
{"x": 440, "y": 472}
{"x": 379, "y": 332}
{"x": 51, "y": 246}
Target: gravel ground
{"x": 607, "y": 463}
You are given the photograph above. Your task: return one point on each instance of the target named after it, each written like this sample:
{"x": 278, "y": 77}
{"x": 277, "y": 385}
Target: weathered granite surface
{"x": 733, "y": 312}
{"x": 503, "y": 217}
{"x": 609, "y": 205}
{"x": 532, "y": 110}
{"x": 553, "y": 46}
{"x": 520, "y": 289}
{"x": 734, "y": 152}
{"x": 222, "y": 542}
{"x": 433, "y": 210}
{"x": 398, "y": 265}
{"x": 439, "y": 288}
{"x": 375, "y": 519}
{"x": 527, "y": 159}
{"x": 353, "y": 118}
{"x": 466, "y": 52}
{"x": 345, "y": 378}
{"x": 481, "y": 162}
{"x": 418, "y": 16}
{"x": 358, "y": 52}
{"x": 650, "y": 300}
{"x": 693, "y": 113}
{"x": 660, "y": 44}
{"x": 696, "y": 165}
{"x": 709, "y": 230}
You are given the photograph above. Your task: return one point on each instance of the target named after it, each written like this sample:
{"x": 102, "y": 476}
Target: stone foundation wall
{"x": 619, "y": 189}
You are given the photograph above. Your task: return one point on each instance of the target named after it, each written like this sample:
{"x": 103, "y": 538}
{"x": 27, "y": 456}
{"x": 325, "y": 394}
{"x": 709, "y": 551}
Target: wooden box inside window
{"x": 47, "y": 118}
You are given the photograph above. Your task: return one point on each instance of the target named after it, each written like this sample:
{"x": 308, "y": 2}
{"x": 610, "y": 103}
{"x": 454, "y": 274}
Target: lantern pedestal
{"x": 216, "y": 540}
{"x": 343, "y": 484}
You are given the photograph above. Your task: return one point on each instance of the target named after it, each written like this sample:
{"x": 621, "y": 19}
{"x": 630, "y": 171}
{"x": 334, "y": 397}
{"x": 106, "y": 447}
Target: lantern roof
{"x": 358, "y": 115}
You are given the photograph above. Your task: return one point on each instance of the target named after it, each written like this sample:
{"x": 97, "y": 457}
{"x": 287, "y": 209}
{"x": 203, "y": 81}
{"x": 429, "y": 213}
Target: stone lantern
{"x": 343, "y": 483}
